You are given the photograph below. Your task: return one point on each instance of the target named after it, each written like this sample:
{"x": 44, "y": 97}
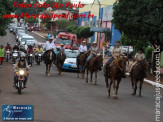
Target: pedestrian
{"x": 2, "y": 53}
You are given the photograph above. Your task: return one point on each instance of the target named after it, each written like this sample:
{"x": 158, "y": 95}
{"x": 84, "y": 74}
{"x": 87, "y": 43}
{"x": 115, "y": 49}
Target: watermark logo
{"x": 17, "y": 112}
{"x": 157, "y": 88}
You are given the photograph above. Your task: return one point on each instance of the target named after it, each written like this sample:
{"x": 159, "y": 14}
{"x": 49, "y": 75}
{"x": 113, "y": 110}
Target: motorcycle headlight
{"x": 31, "y": 55}
{"x": 39, "y": 54}
{"x": 21, "y": 72}
{"x": 15, "y": 54}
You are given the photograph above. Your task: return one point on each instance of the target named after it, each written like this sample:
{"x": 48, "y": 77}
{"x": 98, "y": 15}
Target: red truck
{"x": 69, "y": 40}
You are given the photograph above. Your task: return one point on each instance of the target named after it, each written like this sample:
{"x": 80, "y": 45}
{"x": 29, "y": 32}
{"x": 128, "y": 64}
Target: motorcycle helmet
{"x": 22, "y": 56}
{"x": 8, "y": 43}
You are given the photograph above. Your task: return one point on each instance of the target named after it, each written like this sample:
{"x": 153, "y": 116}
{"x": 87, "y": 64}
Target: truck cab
{"x": 69, "y": 40}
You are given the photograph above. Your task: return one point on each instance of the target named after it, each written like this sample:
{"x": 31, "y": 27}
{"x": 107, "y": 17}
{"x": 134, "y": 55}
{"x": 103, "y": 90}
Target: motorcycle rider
{"x": 30, "y": 50}
{"x": 22, "y": 49}
{"x": 16, "y": 47}
{"x": 94, "y": 51}
{"x": 21, "y": 63}
{"x": 82, "y": 49}
{"x": 8, "y": 47}
{"x": 38, "y": 50}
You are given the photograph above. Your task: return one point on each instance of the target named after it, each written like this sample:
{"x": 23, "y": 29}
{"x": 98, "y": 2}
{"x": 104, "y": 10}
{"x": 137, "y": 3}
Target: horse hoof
{"x": 115, "y": 96}
{"x": 48, "y": 75}
{"x": 95, "y": 83}
{"x": 108, "y": 94}
{"x": 133, "y": 93}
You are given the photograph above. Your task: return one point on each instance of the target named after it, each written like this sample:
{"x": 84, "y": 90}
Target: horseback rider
{"x": 94, "y": 51}
{"x": 116, "y": 51}
{"x": 82, "y": 49}
{"x": 49, "y": 45}
{"x": 62, "y": 49}
{"x": 21, "y": 63}
{"x": 138, "y": 57}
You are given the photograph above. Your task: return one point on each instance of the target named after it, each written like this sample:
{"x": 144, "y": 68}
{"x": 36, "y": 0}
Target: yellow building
{"x": 96, "y": 8}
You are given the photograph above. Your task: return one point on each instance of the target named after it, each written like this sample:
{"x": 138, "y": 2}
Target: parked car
{"x": 12, "y": 28}
{"x": 19, "y": 28}
{"x": 70, "y": 62}
{"x": 20, "y": 36}
{"x": 30, "y": 42}
{"x": 18, "y": 33}
{"x": 25, "y": 38}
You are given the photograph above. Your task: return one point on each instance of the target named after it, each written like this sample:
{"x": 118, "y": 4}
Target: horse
{"x": 138, "y": 73}
{"x": 93, "y": 66}
{"x": 116, "y": 71}
{"x": 49, "y": 58}
{"x": 60, "y": 60}
{"x": 81, "y": 62}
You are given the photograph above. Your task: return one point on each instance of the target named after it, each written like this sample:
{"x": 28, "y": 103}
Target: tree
{"x": 72, "y": 29}
{"x": 84, "y": 32}
{"x": 31, "y": 20}
{"x": 135, "y": 43}
{"x": 63, "y": 24}
{"x": 5, "y": 8}
{"x": 140, "y": 20}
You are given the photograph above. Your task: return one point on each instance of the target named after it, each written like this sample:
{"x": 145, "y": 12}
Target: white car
{"x": 19, "y": 32}
{"x": 70, "y": 62}
{"x": 20, "y": 36}
{"x": 25, "y": 38}
{"x": 30, "y": 42}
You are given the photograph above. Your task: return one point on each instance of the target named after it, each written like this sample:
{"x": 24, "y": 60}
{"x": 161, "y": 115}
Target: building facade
{"x": 102, "y": 11}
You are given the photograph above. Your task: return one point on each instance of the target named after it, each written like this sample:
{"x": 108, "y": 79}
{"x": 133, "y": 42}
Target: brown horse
{"x": 116, "y": 71}
{"x": 93, "y": 66}
{"x": 49, "y": 58}
{"x": 60, "y": 60}
{"x": 138, "y": 73}
{"x": 81, "y": 62}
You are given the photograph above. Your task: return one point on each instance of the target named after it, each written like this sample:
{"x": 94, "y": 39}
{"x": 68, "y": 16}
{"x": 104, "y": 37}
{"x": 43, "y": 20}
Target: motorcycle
{"x": 15, "y": 56}
{"x": 7, "y": 55}
{"x": 38, "y": 58}
{"x": 30, "y": 59}
{"x": 21, "y": 73}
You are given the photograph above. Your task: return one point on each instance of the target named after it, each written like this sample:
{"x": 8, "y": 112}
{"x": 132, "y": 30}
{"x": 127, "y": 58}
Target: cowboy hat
{"x": 50, "y": 38}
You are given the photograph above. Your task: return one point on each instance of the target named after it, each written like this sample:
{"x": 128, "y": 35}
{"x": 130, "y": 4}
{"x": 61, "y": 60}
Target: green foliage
{"x": 135, "y": 43}
{"x": 5, "y": 8}
{"x": 140, "y": 20}
{"x": 148, "y": 53}
{"x": 31, "y": 20}
{"x": 63, "y": 24}
{"x": 85, "y": 32}
{"x": 72, "y": 29}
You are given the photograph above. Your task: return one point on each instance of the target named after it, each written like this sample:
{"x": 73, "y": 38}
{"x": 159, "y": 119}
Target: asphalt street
{"x": 66, "y": 98}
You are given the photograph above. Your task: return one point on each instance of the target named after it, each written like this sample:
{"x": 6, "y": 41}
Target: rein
{"x": 117, "y": 64}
